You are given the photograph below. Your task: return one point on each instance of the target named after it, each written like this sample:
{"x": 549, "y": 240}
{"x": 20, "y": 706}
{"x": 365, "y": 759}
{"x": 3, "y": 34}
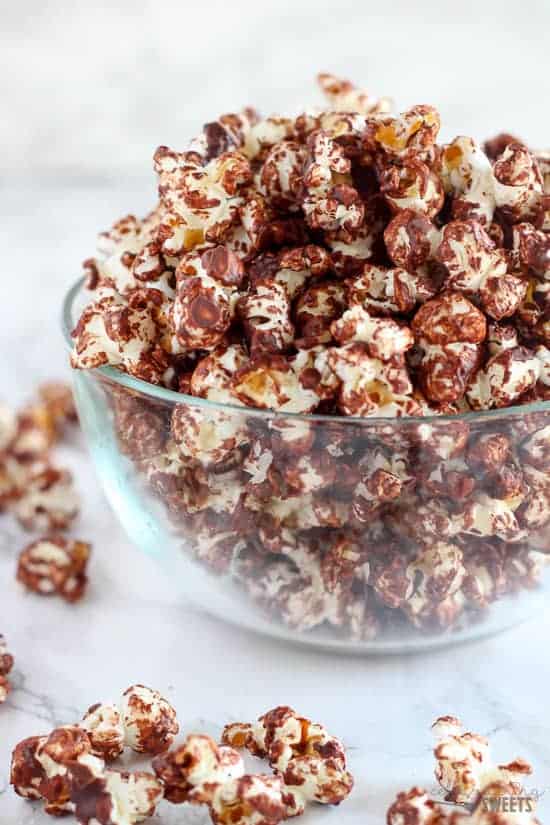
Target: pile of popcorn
{"x": 41, "y": 495}
{"x": 488, "y": 794}
{"x": 67, "y": 769}
{"x": 341, "y": 262}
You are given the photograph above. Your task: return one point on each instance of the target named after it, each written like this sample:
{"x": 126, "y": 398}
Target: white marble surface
{"x": 132, "y": 625}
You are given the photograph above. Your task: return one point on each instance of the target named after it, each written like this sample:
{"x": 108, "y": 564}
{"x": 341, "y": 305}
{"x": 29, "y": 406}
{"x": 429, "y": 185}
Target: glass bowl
{"x": 370, "y": 535}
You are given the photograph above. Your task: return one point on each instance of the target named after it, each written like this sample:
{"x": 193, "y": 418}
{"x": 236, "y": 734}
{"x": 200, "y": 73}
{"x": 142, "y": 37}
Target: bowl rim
{"x": 172, "y": 397}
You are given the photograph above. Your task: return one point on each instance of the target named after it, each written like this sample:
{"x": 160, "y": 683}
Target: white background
{"x": 89, "y": 88}
{"x": 87, "y": 91}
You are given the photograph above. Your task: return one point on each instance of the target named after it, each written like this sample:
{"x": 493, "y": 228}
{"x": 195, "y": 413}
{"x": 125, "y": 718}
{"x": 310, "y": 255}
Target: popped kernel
{"x": 55, "y": 566}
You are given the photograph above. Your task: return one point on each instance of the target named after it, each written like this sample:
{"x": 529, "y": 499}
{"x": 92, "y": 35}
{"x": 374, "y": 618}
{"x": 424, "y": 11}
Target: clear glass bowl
{"x": 368, "y": 535}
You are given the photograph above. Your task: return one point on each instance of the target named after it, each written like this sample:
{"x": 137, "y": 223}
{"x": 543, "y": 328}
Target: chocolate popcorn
{"x": 345, "y": 264}
{"x": 191, "y": 770}
{"x": 55, "y": 755}
{"x": 311, "y": 763}
{"x": 66, "y": 768}
{"x": 103, "y": 724}
{"x": 496, "y": 802}
{"x": 26, "y": 774}
{"x": 113, "y": 797}
{"x": 150, "y": 722}
{"x": 6, "y": 664}
{"x": 463, "y": 760}
{"x": 55, "y": 566}
{"x": 49, "y": 501}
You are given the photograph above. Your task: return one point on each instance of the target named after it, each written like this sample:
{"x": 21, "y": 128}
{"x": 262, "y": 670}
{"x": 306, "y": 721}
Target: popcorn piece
{"x": 248, "y": 800}
{"x": 370, "y": 386}
{"x": 195, "y": 768}
{"x": 206, "y": 296}
{"x": 450, "y": 318}
{"x": 412, "y": 185}
{"x": 468, "y": 176}
{"x": 26, "y": 773}
{"x": 479, "y": 270}
{"x": 105, "y": 730}
{"x": 58, "y": 403}
{"x": 464, "y": 764}
{"x": 518, "y": 183}
{"x": 212, "y": 376}
{"x": 411, "y": 239}
{"x": 343, "y": 96}
{"x": 270, "y": 382}
{"x": 495, "y": 802}
{"x": 385, "y": 480}
{"x": 435, "y": 577}
{"x": 505, "y": 377}
{"x": 149, "y": 721}
{"x": 316, "y": 309}
{"x": 265, "y": 134}
{"x": 141, "y": 429}
{"x": 121, "y": 331}
{"x": 49, "y": 501}
{"x": 403, "y": 136}
{"x": 311, "y": 762}
{"x": 415, "y": 808}
{"x": 282, "y": 174}
{"x": 204, "y": 196}
{"x": 384, "y": 291}
{"x": 330, "y": 202}
{"x": 266, "y": 318}
{"x": 486, "y": 516}
{"x": 385, "y": 338}
{"x": 56, "y": 755}
{"x": 6, "y": 664}
{"x": 209, "y": 436}
{"x": 112, "y": 270}
{"x": 349, "y": 254}
{"x": 54, "y": 565}
{"x": 114, "y": 797}
{"x": 449, "y": 330}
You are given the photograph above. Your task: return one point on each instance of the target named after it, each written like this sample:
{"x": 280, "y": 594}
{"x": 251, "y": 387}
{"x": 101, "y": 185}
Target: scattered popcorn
{"x": 311, "y": 763}
{"x": 66, "y": 768}
{"x": 464, "y": 764}
{"x": 55, "y": 565}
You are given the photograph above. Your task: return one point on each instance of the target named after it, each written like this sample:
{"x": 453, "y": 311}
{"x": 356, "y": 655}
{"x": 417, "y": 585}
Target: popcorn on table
{"x": 66, "y": 768}
{"x": 480, "y": 792}
{"x": 54, "y": 565}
